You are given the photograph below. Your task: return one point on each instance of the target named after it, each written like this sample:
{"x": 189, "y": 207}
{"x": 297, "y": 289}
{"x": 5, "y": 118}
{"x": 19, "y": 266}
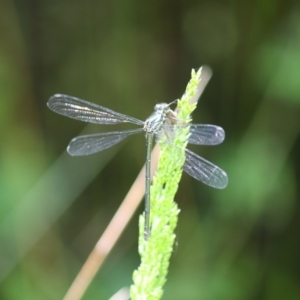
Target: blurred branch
{"x": 122, "y": 294}
{"x": 46, "y": 200}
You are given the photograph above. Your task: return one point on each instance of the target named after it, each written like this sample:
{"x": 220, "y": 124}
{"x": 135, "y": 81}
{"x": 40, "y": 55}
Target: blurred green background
{"x": 237, "y": 243}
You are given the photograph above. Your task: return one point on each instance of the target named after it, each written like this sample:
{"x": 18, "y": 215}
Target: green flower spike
{"x": 150, "y": 277}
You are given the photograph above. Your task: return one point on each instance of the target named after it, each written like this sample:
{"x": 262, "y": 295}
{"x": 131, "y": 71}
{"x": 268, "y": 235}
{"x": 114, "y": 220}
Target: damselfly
{"x": 161, "y": 122}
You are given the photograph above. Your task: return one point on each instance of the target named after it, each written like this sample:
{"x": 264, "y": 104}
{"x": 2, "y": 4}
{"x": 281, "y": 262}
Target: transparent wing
{"x": 92, "y": 143}
{"x": 205, "y": 134}
{"x": 204, "y": 171}
{"x": 86, "y": 111}
{"x": 200, "y": 134}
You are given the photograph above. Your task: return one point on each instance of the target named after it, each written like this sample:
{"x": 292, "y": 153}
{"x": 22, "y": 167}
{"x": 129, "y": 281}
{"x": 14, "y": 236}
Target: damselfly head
{"x": 164, "y": 107}
{"x": 161, "y": 107}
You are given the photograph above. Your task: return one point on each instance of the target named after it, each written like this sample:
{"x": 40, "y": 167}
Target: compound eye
{"x": 161, "y": 106}
{"x": 156, "y": 107}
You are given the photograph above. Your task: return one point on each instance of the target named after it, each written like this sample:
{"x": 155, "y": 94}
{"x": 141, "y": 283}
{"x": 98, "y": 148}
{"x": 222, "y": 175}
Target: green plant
{"x": 155, "y": 253}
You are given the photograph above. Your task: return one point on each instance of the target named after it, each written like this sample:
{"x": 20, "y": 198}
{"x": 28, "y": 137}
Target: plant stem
{"x": 150, "y": 277}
